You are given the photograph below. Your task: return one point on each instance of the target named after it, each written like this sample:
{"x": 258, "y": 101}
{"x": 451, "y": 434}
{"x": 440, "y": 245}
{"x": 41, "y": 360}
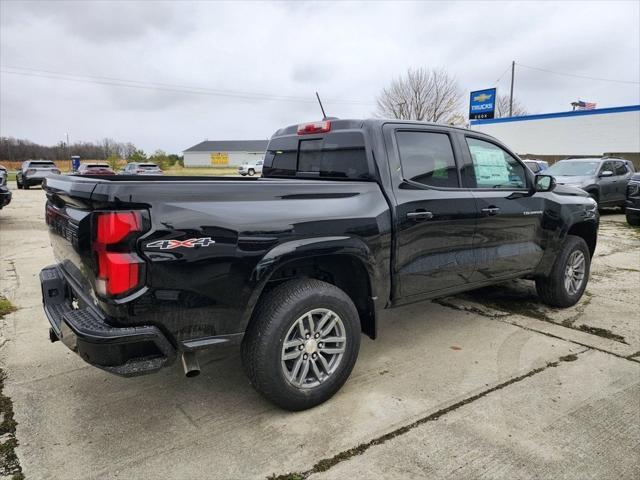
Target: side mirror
{"x": 544, "y": 183}
{"x": 606, "y": 173}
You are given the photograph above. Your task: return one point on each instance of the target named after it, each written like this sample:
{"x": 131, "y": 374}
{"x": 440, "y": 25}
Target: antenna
{"x": 324, "y": 115}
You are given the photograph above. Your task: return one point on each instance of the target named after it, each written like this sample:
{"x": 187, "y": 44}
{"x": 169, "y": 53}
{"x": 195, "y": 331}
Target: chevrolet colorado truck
{"x": 348, "y": 218}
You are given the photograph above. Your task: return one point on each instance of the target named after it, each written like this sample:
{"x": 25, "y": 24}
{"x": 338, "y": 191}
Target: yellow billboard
{"x": 219, "y": 158}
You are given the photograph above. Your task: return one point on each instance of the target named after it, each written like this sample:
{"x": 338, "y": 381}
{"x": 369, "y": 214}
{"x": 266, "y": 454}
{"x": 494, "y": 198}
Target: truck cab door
{"x": 508, "y": 239}
{"x": 435, "y": 218}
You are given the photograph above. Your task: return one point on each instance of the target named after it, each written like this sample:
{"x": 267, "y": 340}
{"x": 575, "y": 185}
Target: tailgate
{"x": 68, "y": 216}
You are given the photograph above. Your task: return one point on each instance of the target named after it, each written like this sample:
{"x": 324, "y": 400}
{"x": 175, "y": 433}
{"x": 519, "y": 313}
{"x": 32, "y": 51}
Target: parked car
{"x": 632, "y": 205}
{"x": 604, "y": 179}
{"x": 95, "y": 169}
{"x": 5, "y": 193}
{"x": 137, "y": 168}
{"x": 536, "y": 166}
{"x": 250, "y": 168}
{"x": 349, "y": 217}
{"x": 32, "y": 172}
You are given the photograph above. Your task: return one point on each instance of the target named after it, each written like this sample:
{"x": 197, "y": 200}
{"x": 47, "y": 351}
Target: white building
{"x": 224, "y": 153}
{"x": 580, "y": 133}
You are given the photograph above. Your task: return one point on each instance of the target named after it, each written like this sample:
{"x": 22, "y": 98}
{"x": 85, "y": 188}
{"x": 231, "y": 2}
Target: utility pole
{"x": 513, "y": 73}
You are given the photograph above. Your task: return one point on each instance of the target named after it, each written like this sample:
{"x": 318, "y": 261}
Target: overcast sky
{"x": 232, "y": 70}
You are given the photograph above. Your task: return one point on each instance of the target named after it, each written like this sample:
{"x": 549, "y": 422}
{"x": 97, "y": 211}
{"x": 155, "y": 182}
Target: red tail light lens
{"x": 31, "y": 171}
{"x": 117, "y": 272}
{"x": 119, "y": 269}
{"x": 113, "y": 227}
{"x": 314, "y": 127}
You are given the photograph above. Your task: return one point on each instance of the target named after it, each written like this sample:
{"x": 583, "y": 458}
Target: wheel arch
{"x": 588, "y": 231}
{"x": 340, "y": 261}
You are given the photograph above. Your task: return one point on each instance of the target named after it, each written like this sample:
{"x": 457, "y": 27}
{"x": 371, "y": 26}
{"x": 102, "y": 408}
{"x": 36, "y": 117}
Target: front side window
{"x": 493, "y": 167}
{"x": 621, "y": 168}
{"x": 427, "y": 158}
{"x": 607, "y": 167}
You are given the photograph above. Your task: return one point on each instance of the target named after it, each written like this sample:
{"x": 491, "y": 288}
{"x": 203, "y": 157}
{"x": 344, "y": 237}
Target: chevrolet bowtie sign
{"x": 483, "y": 104}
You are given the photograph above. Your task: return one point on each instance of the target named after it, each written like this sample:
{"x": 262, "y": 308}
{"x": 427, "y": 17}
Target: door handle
{"x": 490, "y": 211}
{"x": 420, "y": 215}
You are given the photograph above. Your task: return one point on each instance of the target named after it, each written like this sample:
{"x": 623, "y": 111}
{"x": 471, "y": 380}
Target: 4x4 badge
{"x": 190, "y": 243}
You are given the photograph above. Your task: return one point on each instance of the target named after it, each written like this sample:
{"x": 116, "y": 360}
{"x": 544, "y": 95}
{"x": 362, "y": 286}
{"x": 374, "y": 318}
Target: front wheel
{"x": 302, "y": 343}
{"x": 569, "y": 275}
{"x": 252, "y": 172}
{"x": 633, "y": 220}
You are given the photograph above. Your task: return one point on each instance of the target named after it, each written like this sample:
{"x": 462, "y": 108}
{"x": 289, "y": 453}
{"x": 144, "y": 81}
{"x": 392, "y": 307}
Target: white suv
{"x": 250, "y": 168}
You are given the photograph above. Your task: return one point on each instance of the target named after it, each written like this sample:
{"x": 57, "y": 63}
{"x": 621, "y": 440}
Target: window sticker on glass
{"x": 489, "y": 166}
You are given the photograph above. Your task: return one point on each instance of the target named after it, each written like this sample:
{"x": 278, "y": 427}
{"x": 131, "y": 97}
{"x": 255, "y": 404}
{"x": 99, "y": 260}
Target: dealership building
{"x": 611, "y": 131}
{"x": 222, "y": 153}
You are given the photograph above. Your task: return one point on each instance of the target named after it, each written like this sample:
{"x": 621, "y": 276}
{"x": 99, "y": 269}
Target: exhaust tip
{"x": 190, "y": 364}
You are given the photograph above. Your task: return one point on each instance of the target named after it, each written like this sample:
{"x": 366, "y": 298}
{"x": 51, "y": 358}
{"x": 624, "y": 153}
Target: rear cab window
{"x": 337, "y": 154}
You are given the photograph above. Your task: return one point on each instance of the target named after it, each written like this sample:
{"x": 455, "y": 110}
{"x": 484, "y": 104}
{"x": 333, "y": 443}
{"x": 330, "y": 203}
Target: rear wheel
{"x": 569, "y": 275}
{"x": 302, "y": 344}
{"x": 252, "y": 172}
{"x": 25, "y": 186}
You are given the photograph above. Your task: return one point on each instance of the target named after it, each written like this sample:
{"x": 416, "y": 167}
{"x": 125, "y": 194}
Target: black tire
{"x": 275, "y": 315}
{"x": 25, "y": 186}
{"x": 252, "y": 172}
{"x": 595, "y": 195}
{"x": 552, "y": 289}
{"x": 18, "y": 184}
{"x": 633, "y": 220}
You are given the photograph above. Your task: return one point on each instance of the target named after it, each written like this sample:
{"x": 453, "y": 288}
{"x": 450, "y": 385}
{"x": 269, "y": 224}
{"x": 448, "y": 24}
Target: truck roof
{"x": 353, "y": 124}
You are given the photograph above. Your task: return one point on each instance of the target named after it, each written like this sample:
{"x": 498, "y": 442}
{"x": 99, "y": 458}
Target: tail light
{"x": 119, "y": 269}
{"x": 56, "y": 171}
{"x": 31, "y": 171}
{"x": 314, "y": 127}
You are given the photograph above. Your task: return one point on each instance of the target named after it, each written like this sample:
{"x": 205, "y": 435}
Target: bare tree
{"x": 502, "y": 107}
{"x": 421, "y": 94}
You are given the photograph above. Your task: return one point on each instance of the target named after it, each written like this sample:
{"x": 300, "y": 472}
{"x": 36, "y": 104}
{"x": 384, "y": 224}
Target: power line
{"x": 500, "y": 77}
{"x": 120, "y": 82}
{"x": 578, "y": 76}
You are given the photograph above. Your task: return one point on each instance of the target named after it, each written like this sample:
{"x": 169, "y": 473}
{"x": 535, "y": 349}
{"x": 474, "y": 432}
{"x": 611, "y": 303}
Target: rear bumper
{"x": 33, "y": 181}
{"x": 127, "y": 351}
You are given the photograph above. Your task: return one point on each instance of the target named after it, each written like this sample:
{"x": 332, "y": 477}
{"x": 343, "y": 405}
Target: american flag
{"x": 580, "y": 105}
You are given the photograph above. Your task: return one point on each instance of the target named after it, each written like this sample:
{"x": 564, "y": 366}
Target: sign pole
{"x": 513, "y": 73}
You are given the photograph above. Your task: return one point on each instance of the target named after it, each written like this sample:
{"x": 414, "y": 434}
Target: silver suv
{"x": 605, "y": 179}
{"x": 32, "y": 172}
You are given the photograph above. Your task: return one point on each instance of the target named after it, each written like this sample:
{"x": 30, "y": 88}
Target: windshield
{"x": 573, "y": 169}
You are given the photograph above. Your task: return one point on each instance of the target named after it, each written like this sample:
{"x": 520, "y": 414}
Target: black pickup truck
{"x": 349, "y": 217}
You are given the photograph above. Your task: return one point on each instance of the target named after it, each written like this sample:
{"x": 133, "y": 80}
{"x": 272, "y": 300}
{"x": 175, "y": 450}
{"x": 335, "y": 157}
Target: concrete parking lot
{"x": 488, "y": 384}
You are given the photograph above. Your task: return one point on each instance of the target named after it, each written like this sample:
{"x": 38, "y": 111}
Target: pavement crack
{"x": 631, "y": 358}
{"x": 328, "y": 463}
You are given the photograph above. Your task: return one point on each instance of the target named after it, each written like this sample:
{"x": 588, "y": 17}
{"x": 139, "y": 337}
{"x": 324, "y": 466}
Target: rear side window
{"x": 493, "y": 167}
{"x": 336, "y": 155}
{"x": 427, "y": 158}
